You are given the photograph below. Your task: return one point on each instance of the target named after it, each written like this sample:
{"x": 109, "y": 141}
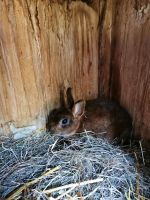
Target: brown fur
{"x": 106, "y": 118}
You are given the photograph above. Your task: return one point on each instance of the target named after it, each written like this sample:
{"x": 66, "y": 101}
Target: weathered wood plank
{"x": 45, "y": 45}
{"x": 131, "y": 61}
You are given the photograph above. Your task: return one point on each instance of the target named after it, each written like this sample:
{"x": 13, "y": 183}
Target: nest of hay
{"x": 49, "y": 167}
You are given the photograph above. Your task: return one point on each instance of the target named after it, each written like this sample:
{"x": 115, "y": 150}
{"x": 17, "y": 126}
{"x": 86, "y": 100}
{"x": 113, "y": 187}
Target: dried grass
{"x": 49, "y": 167}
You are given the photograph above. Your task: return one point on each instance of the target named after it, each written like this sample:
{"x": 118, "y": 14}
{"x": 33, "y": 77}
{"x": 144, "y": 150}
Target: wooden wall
{"x": 130, "y": 61}
{"x": 44, "y": 45}
{"x": 124, "y": 68}
{"x": 95, "y": 46}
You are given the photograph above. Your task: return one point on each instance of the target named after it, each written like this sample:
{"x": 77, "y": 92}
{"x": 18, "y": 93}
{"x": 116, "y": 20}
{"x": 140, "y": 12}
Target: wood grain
{"x": 98, "y": 47}
{"x": 130, "y": 62}
{"x": 44, "y": 45}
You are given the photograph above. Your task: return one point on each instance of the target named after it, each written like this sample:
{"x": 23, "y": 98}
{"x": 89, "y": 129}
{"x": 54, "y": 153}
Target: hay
{"x": 49, "y": 167}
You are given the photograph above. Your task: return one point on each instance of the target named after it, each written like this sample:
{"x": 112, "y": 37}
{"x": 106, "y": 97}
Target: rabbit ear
{"x": 70, "y": 100}
{"x": 78, "y": 109}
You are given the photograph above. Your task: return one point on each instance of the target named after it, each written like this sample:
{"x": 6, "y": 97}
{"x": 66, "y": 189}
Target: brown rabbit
{"x": 105, "y": 118}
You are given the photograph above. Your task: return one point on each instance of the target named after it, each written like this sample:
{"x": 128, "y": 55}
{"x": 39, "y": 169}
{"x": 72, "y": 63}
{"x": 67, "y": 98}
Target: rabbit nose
{"x": 52, "y": 129}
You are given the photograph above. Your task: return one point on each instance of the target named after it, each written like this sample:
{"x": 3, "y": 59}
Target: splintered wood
{"x": 97, "y": 47}
{"x": 45, "y": 45}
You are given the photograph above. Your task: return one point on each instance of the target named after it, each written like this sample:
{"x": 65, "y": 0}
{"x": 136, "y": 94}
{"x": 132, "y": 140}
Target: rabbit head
{"x": 66, "y": 120}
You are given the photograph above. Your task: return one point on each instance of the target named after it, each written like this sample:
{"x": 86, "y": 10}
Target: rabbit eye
{"x": 64, "y": 122}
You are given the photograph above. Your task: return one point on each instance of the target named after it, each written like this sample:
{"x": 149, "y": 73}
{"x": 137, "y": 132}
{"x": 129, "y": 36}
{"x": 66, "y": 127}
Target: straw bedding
{"x": 85, "y": 167}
